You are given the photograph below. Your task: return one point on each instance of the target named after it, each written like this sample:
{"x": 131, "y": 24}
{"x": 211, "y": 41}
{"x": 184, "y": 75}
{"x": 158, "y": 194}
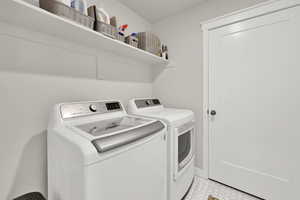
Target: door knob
{"x": 213, "y": 112}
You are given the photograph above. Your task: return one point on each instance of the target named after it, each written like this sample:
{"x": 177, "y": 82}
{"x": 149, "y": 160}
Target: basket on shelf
{"x": 101, "y": 27}
{"x": 149, "y": 42}
{"x": 65, "y": 11}
{"x": 132, "y": 41}
{"x": 106, "y": 29}
{"x": 120, "y": 37}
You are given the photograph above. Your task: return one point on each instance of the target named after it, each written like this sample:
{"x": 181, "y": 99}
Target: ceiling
{"x": 155, "y": 10}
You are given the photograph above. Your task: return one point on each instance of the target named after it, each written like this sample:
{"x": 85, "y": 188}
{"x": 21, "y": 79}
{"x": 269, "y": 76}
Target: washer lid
{"x": 110, "y": 126}
{"x": 114, "y": 141}
{"x": 112, "y": 133}
{"x": 169, "y": 115}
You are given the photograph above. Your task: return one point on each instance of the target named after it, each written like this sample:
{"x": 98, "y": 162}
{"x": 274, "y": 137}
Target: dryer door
{"x": 184, "y": 147}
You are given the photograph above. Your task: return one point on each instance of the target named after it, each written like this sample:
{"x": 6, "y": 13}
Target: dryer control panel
{"x": 72, "y": 110}
{"x": 143, "y": 103}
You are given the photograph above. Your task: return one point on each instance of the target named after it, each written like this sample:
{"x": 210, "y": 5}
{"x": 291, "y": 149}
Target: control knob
{"x": 93, "y": 108}
{"x": 148, "y": 102}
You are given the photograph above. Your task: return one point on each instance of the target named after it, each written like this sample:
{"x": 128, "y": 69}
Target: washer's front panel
{"x": 72, "y": 110}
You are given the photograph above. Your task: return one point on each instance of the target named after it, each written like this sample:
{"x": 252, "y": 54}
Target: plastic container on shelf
{"x": 79, "y": 5}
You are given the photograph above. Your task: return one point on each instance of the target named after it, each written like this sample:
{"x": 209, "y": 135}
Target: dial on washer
{"x": 93, "y": 108}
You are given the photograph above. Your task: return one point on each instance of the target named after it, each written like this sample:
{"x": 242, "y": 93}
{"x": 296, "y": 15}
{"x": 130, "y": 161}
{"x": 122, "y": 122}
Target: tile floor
{"x": 202, "y": 188}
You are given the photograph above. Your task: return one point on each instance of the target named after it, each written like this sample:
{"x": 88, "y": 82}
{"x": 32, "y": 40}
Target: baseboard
{"x": 200, "y": 172}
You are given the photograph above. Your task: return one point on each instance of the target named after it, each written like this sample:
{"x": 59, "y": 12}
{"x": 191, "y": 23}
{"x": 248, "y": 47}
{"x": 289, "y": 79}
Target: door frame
{"x": 207, "y": 26}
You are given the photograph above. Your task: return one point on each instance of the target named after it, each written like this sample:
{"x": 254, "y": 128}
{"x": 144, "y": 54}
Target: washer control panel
{"x": 88, "y": 108}
{"x": 143, "y": 103}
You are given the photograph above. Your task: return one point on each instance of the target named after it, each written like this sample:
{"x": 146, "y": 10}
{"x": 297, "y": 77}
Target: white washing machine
{"x": 97, "y": 151}
{"x": 180, "y": 145}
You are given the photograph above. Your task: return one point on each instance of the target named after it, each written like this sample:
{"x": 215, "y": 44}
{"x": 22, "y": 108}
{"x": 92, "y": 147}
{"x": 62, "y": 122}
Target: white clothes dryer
{"x": 180, "y": 143}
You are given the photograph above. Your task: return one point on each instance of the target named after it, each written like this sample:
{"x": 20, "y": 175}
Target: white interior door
{"x": 254, "y": 86}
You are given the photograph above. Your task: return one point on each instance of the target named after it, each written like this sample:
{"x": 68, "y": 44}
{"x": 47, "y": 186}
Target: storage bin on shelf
{"x": 65, "y": 11}
{"x": 149, "y": 42}
{"x": 132, "y": 41}
{"x": 106, "y": 29}
{"x": 120, "y": 37}
{"x": 100, "y": 26}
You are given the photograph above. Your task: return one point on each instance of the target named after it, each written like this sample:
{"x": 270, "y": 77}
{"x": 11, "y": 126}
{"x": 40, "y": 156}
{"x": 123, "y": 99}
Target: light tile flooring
{"x": 202, "y": 188}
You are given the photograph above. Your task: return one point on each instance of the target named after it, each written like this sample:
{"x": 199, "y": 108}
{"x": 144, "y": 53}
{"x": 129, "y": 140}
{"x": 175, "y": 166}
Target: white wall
{"x": 182, "y": 86}
{"x": 36, "y": 71}
{"x": 124, "y": 15}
